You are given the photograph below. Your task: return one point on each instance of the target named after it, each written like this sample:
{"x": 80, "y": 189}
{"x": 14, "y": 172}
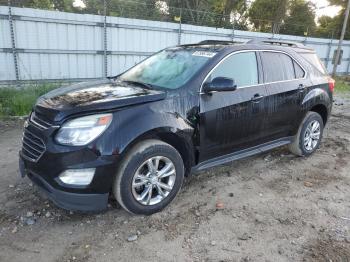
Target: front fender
{"x": 130, "y": 124}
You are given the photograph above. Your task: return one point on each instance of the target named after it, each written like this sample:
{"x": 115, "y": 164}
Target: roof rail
{"x": 218, "y": 42}
{"x": 273, "y": 41}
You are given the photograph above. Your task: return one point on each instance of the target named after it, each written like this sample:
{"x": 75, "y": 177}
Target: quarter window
{"x": 241, "y": 67}
{"x": 313, "y": 59}
{"x": 278, "y": 67}
{"x": 299, "y": 72}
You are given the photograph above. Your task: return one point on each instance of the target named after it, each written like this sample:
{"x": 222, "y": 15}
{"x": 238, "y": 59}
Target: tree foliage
{"x": 331, "y": 27}
{"x": 300, "y": 19}
{"x": 295, "y": 17}
{"x": 267, "y": 15}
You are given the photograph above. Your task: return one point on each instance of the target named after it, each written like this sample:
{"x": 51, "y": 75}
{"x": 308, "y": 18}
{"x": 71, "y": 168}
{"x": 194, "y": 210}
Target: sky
{"x": 79, "y": 3}
{"x": 323, "y": 8}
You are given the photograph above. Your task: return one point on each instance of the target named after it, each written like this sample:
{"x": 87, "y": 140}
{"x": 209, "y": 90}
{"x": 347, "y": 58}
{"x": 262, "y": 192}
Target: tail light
{"x": 331, "y": 84}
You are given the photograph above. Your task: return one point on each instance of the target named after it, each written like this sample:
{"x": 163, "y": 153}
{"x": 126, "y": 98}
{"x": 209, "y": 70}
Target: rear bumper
{"x": 68, "y": 200}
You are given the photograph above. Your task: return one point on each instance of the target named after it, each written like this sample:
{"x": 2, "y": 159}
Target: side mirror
{"x": 220, "y": 84}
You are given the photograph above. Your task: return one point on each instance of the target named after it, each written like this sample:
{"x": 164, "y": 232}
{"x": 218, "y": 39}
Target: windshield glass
{"x": 168, "y": 69}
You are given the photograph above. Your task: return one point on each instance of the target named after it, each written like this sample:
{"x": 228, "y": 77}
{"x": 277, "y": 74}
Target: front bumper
{"x": 91, "y": 198}
{"x": 68, "y": 200}
{"x": 55, "y": 159}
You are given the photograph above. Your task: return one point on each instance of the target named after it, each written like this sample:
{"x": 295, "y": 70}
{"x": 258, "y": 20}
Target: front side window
{"x": 170, "y": 68}
{"x": 277, "y": 67}
{"x": 241, "y": 67}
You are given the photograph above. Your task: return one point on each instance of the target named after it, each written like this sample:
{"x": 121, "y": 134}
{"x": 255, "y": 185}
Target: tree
{"x": 60, "y": 5}
{"x": 328, "y": 27}
{"x": 216, "y": 13}
{"x": 40, "y": 4}
{"x": 192, "y": 11}
{"x": 300, "y": 19}
{"x": 63, "y": 5}
{"x": 230, "y": 12}
{"x": 331, "y": 27}
{"x": 267, "y": 15}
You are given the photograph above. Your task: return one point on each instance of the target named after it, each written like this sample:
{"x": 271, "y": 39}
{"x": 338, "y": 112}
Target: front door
{"x": 233, "y": 120}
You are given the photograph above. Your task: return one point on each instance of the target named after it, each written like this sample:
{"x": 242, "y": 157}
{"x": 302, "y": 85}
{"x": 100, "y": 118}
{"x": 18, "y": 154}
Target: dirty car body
{"x": 205, "y": 127}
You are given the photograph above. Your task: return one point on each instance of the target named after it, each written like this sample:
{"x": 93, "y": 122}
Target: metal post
{"x": 233, "y": 31}
{"x": 13, "y": 42}
{"x": 105, "y": 71}
{"x": 306, "y": 35}
{"x": 329, "y": 50}
{"x": 180, "y": 28}
{"x": 341, "y": 38}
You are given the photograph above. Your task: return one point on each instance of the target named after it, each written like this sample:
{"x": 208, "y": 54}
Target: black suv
{"x": 136, "y": 136}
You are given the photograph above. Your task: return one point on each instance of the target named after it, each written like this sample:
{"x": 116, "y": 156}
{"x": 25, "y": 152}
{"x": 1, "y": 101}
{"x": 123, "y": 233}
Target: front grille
{"x": 39, "y": 121}
{"x": 33, "y": 147}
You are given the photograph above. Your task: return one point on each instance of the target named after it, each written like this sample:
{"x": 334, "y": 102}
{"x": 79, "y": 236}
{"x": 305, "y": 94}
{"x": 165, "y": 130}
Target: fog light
{"x": 79, "y": 177}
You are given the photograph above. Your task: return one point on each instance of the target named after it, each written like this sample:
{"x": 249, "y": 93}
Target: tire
{"x": 135, "y": 170}
{"x": 298, "y": 146}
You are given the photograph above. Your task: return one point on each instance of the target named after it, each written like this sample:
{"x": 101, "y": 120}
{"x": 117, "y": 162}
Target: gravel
{"x": 272, "y": 207}
{"x": 132, "y": 238}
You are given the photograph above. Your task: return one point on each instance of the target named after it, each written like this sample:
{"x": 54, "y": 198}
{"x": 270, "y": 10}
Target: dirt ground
{"x": 276, "y": 207}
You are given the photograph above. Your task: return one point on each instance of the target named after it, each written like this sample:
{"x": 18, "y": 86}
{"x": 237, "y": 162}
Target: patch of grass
{"x": 18, "y": 101}
{"x": 342, "y": 84}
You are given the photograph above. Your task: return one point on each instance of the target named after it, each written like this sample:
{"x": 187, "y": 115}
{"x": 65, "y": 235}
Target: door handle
{"x": 257, "y": 98}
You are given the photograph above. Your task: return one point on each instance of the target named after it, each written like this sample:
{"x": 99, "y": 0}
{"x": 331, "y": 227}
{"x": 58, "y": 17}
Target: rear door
{"x": 285, "y": 82}
{"x": 233, "y": 120}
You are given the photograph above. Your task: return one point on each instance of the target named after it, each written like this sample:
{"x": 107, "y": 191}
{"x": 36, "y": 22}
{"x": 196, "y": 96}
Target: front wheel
{"x": 309, "y": 135}
{"x": 149, "y": 177}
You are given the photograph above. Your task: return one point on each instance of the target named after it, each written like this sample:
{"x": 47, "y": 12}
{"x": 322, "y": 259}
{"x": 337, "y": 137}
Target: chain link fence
{"x": 157, "y": 10}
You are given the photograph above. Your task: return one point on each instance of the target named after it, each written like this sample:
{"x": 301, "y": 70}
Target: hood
{"x": 92, "y": 96}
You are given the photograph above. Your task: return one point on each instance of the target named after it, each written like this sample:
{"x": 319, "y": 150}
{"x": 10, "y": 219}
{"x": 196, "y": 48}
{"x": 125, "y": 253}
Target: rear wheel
{"x": 309, "y": 135}
{"x": 149, "y": 177}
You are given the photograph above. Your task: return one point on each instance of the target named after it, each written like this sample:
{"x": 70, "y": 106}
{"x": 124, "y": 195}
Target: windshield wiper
{"x": 147, "y": 86}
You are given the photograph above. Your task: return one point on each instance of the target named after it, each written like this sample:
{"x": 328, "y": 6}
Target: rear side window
{"x": 313, "y": 59}
{"x": 277, "y": 67}
{"x": 242, "y": 67}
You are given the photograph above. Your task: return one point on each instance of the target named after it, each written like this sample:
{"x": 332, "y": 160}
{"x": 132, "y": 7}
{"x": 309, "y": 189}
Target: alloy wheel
{"x": 153, "y": 180}
{"x": 312, "y": 135}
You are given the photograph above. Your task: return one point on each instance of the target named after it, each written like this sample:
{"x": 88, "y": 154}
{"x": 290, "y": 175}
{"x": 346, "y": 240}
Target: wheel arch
{"x": 320, "y": 101}
{"x": 179, "y": 140}
{"x": 321, "y": 109}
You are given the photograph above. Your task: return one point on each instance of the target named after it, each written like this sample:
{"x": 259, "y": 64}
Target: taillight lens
{"x": 331, "y": 84}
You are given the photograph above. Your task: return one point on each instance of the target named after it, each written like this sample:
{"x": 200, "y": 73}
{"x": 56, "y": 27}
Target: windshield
{"x": 168, "y": 69}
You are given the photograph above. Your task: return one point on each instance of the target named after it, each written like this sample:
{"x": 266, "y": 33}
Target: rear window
{"x": 313, "y": 59}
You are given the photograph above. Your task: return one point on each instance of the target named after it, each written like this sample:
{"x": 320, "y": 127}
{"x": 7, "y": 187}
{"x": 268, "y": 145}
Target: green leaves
{"x": 300, "y": 19}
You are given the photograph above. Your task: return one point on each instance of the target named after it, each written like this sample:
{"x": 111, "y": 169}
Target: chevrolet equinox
{"x": 136, "y": 136}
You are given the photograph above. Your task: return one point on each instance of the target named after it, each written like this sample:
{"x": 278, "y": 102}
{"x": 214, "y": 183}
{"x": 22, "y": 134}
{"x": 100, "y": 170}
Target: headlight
{"x": 81, "y": 131}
